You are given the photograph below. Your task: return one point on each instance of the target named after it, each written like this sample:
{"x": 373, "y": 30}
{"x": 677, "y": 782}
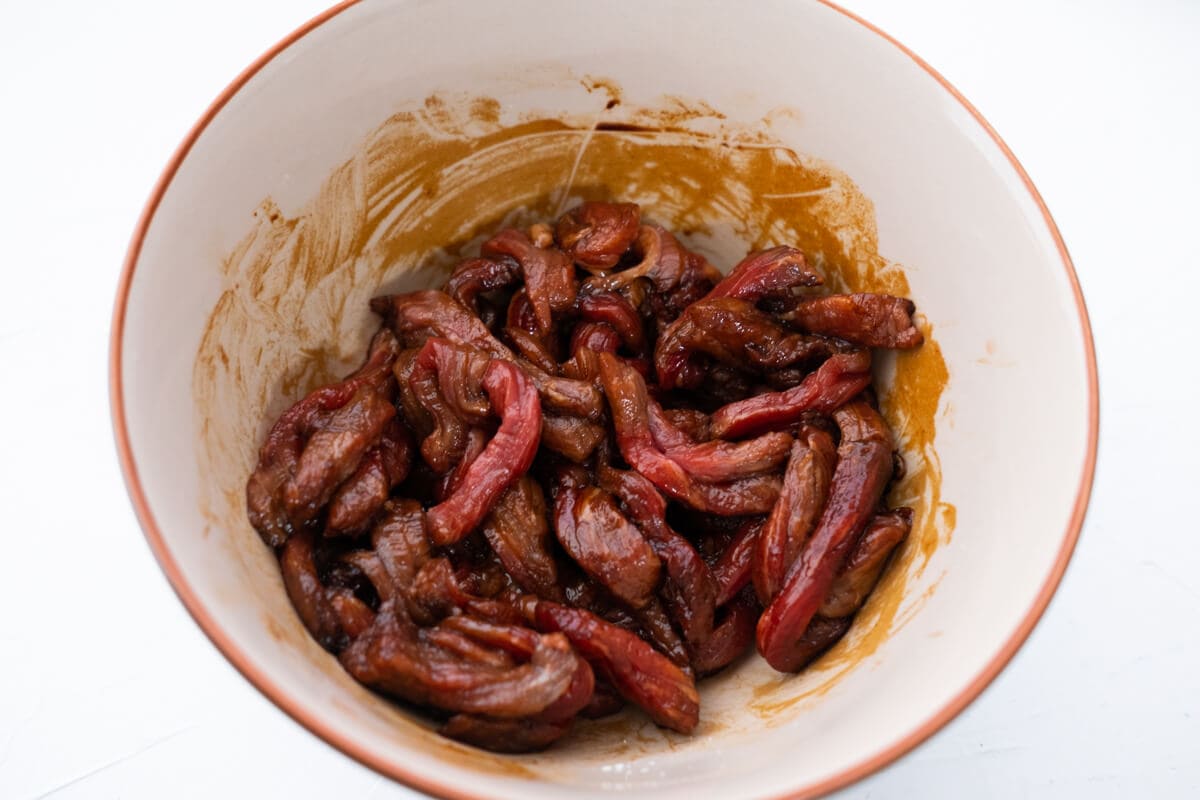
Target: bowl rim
{"x": 295, "y": 708}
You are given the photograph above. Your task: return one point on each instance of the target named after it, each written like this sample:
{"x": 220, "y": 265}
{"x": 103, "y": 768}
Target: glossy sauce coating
{"x": 476, "y": 520}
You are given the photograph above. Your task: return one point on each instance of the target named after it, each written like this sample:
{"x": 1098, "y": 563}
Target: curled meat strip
{"x": 610, "y": 549}
{"x": 416, "y": 316}
{"x": 615, "y": 311}
{"x": 476, "y": 276}
{"x": 458, "y": 371}
{"x": 597, "y": 336}
{"x": 871, "y": 320}
{"x": 733, "y": 570}
{"x": 515, "y": 735}
{"x": 730, "y": 639}
{"x": 446, "y": 380}
{"x": 833, "y": 383}
{"x": 397, "y": 657}
{"x": 596, "y": 235}
{"x": 363, "y": 494}
{"x": 636, "y": 670}
{"x": 863, "y": 469}
{"x": 663, "y": 263}
{"x": 520, "y": 315}
{"x": 333, "y": 451}
{"x": 716, "y": 461}
{"x": 506, "y": 457}
{"x": 517, "y": 531}
{"x": 532, "y": 349}
{"x": 767, "y": 273}
{"x": 628, "y": 400}
{"x": 401, "y": 544}
{"x": 690, "y": 588}
{"x": 805, "y": 489}
{"x": 866, "y": 562}
{"x": 318, "y": 442}
{"x": 308, "y": 594}
{"x": 549, "y": 274}
{"x": 734, "y": 333}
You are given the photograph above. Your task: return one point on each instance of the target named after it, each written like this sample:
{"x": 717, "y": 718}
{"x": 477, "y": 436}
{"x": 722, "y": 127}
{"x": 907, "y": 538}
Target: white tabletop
{"x": 107, "y": 688}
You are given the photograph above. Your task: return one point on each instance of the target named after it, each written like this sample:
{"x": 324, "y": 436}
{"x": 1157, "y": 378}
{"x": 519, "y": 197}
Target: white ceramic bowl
{"x": 218, "y": 299}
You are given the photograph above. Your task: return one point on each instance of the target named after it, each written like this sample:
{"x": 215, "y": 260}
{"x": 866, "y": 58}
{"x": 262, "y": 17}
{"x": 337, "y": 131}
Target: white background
{"x": 107, "y": 688}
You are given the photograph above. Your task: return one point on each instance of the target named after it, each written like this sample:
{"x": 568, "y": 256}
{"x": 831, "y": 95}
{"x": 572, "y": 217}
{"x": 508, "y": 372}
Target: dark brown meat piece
{"x": 416, "y": 316}
{"x": 548, "y": 272}
{"x": 606, "y": 545}
{"x": 566, "y": 396}
{"x": 628, "y": 400}
{"x": 734, "y": 333}
{"x": 382, "y": 468}
{"x": 277, "y": 464}
{"x": 833, "y": 384}
{"x": 597, "y": 336}
{"x": 503, "y": 735}
{"x": 571, "y": 437}
{"x": 870, "y": 320}
{"x": 477, "y": 439}
{"x": 866, "y": 562}
{"x": 309, "y": 596}
{"x": 518, "y": 532}
{"x": 767, "y": 273}
{"x": 333, "y": 451}
{"x": 506, "y": 457}
{"x": 446, "y": 379}
{"x": 732, "y": 637}
{"x": 690, "y": 588}
{"x": 411, "y": 407}
{"x": 436, "y": 593}
{"x": 596, "y": 235}
{"x": 863, "y": 469}
{"x": 520, "y": 315}
{"x": 517, "y": 735}
{"x": 822, "y": 633}
{"x": 401, "y": 543}
{"x": 476, "y": 276}
{"x": 733, "y": 569}
{"x": 716, "y": 461}
{"x": 447, "y": 437}
{"x": 281, "y": 455}
{"x": 805, "y": 489}
{"x": 522, "y": 643}
{"x": 636, "y": 670}
{"x": 605, "y": 701}
{"x": 663, "y": 263}
{"x": 532, "y": 349}
{"x": 696, "y": 279}
{"x": 396, "y": 657}
{"x": 691, "y": 422}
{"x": 584, "y": 363}
{"x": 654, "y": 625}
{"x": 458, "y": 370}
{"x": 618, "y": 313}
